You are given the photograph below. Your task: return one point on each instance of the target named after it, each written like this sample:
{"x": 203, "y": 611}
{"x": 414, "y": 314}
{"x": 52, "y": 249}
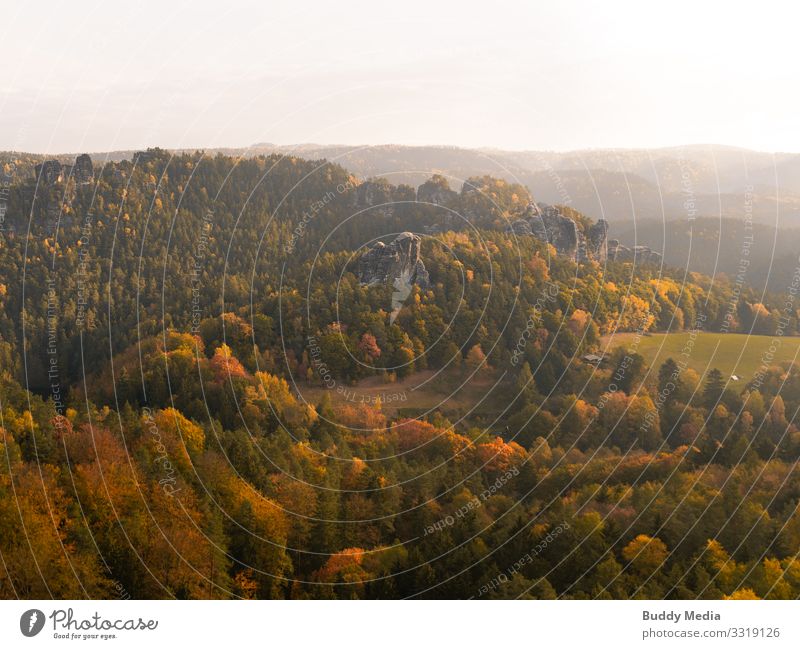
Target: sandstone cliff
{"x": 397, "y": 264}
{"x": 547, "y": 223}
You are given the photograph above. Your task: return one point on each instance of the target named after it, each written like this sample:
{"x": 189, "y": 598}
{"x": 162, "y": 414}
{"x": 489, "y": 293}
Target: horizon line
{"x": 355, "y": 147}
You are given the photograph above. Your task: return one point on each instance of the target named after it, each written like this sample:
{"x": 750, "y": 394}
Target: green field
{"x": 738, "y": 354}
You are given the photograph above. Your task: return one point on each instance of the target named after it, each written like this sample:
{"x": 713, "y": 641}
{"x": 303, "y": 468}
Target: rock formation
{"x": 436, "y": 191}
{"x": 384, "y": 263}
{"x": 637, "y": 254}
{"x": 597, "y": 241}
{"x": 472, "y": 185}
{"x": 375, "y": 194}
{"x": 476, "y": 204}
{"x": 521, "y": 227}
{"x": 49, "y": 172}
{"x": 397, "y": 264}
{"x": 52, "y": 172}
{"x": 83, "y": 170}
{"x": 547, "y": 223}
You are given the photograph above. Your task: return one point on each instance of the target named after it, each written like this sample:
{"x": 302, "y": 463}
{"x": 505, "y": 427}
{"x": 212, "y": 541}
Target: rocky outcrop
{"x": 597, "y": 241}
{"x": 49, "y": 172}
{"x": 397, "y": 264}
{"x": 522, "y": 228}
{"x": 378, "y": 195}
{"x": 547, "y": 223}
{"x": 488, "y": 202}
{"x": 52, "y": 172}
{"x": 383, "y": 263}
{"x": 472, "y": 185}
{"x": 436, "y": 191}
{"x": 432, "y": 196}
{"x": 637, "y": 254}
{"x": 83, "y": 170}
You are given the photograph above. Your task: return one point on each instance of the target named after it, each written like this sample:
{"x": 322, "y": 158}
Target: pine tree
{"x": 669, "y": 381}
{"x": 715, "y": 387}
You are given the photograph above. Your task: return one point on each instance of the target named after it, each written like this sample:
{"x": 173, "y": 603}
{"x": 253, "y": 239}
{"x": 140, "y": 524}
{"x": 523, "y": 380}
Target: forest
{"x": 177, "y": 335}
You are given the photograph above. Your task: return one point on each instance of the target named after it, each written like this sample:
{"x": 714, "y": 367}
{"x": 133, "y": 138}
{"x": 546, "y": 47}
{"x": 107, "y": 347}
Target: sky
{"x": 554, "y": 75}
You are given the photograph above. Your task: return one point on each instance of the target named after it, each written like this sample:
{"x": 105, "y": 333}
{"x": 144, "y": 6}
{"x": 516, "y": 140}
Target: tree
{"x": 525, "y": 387}
{"x": 368, "y": 346}
{"x": 629, "y": 370}
{"x": 714, "y": 388}
{"x": 670, "y": 384}
{"x": 645, "y": 554}
{"x": 476, "y": 359}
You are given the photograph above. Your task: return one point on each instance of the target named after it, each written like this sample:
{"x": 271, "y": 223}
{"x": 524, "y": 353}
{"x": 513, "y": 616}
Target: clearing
{"x": 733, "y": 354}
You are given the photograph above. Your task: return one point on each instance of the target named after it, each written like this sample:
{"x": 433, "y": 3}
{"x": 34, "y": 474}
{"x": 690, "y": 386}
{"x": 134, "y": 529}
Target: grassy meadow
{"x": 739, "y": 354}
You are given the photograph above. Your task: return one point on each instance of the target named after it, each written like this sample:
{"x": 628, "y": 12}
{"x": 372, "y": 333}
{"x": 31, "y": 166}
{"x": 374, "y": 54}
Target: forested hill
{"x": 624, "y": 186}
{"x": 169, "y": 241}
{"x": 180, "y": 337}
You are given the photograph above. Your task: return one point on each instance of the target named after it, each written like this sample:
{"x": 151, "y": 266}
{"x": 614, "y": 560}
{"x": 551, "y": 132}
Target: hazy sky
{"x": 92, "y": 76}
